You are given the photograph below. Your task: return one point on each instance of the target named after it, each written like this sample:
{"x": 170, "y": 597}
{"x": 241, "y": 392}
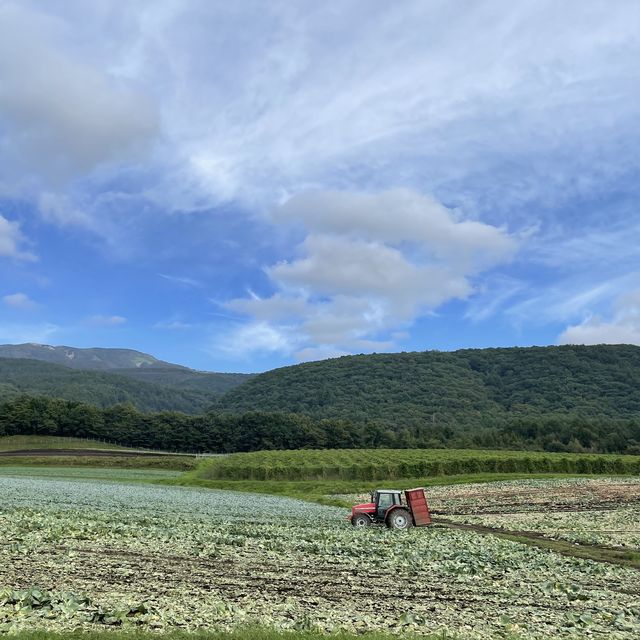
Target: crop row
{"x": 390, "y": 464}
{"x": 166, "y": 558}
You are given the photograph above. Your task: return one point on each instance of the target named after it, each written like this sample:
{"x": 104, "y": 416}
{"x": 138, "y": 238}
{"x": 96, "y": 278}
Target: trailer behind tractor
{"x": 388, "y": 507}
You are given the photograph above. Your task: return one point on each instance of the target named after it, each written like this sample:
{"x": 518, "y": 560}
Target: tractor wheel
{"x": 399, "y": 519}
{"x": 361, "y": 520}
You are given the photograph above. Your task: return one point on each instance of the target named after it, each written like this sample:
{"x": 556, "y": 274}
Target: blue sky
{"x": 240, "y": 186}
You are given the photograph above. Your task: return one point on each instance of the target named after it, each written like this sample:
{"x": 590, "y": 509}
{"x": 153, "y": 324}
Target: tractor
{"x": 388, "y": 507}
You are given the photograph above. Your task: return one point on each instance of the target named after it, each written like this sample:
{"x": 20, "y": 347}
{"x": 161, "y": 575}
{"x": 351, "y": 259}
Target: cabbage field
{"x": 98, "y": 554}
{"x": 603, "y": 512}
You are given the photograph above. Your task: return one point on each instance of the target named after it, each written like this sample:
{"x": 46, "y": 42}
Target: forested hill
{"x": 98, "y": 388}
{"x": 473, "y": 387}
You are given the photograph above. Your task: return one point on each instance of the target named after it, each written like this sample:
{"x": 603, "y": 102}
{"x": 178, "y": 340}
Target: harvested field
{"x": 604, "y": 512}
{"x": 162, "y": 557}
{"x": 593, "y": 511}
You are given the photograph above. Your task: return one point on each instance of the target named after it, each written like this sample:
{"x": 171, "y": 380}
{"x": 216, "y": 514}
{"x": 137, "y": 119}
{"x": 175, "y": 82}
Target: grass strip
{"x": 90, "y": 473}
{"x": 176, "y": 463}
{"x": 19, "y": 442}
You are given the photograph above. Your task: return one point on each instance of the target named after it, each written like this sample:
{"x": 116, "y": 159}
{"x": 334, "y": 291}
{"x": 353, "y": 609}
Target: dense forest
{"x": 255, "y": 430}
{"x": 568, "y": 398}
{"x": 187, "y": 379}
{"x": 471, "y": 388}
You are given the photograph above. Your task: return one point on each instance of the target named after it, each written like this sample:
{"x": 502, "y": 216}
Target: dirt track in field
{"x": 596, "y": 552}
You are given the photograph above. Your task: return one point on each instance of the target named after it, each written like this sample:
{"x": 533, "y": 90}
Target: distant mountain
{"x": 87, "y": 359}
{"x": 473, "y": 387}
{"x": 129, "y": 363}
{"x": 20, "y": 376}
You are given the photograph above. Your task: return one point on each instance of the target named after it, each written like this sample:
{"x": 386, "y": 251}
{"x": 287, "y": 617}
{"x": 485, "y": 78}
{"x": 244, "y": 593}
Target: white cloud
{"x": 12, "y": 240}
{"x": 256, "y": 337}
{"x": 622, "y": 328}
{"x": 105, "y": 321}
{"x": 310, "y": 354}
{"x": 370, "y": 264}
{"x": 19, "y": 301}
{"x": 62, "y": 115}
{"x": 395, "y": 216}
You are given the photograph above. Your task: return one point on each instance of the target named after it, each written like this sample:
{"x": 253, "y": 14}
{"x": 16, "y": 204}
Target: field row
{"x": 389, "y": 464}
{"x": 165, "y": 558}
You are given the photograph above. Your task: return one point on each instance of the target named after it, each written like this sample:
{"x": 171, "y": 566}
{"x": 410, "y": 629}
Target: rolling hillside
{"x": 483, "y": 387}
{"x": 187, "y": 379}
{"x": 98, "y": 388}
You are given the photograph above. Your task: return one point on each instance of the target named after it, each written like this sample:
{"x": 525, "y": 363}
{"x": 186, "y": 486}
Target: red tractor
{"x": 387, "y": 506}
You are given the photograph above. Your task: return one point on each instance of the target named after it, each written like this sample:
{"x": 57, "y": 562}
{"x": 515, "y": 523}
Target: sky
{"x": 241, "y": 186}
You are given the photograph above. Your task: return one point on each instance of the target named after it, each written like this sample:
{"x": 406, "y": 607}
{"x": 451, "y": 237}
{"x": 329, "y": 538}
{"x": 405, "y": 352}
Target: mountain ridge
{"x": 92, "y": 358}
{"x": 129, "y": 363}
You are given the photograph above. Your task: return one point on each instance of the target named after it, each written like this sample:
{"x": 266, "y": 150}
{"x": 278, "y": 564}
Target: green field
{"x": 395, "y": 464}
{"x": 50, "y": 451}
{"x": 176, "y": 463}
{"x": 112, "y": 474}
{"x": 22, "y": 443}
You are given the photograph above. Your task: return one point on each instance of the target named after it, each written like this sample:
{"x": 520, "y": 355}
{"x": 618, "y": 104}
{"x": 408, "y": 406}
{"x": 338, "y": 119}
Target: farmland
{"x": 602, "y": 512}
{"x": 51, "y": 451}
{"x": 104, "y": 554}
{"x": 40, "y": 443}
{"x": 391, "y": 464}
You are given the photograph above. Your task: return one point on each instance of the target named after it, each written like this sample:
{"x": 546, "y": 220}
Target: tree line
{"x": 220, "y": 432}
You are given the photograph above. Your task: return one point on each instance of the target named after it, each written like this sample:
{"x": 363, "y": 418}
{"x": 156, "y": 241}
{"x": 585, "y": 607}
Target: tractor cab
{"x": 388, "y": 507}
{"x": 384, "y": 499}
